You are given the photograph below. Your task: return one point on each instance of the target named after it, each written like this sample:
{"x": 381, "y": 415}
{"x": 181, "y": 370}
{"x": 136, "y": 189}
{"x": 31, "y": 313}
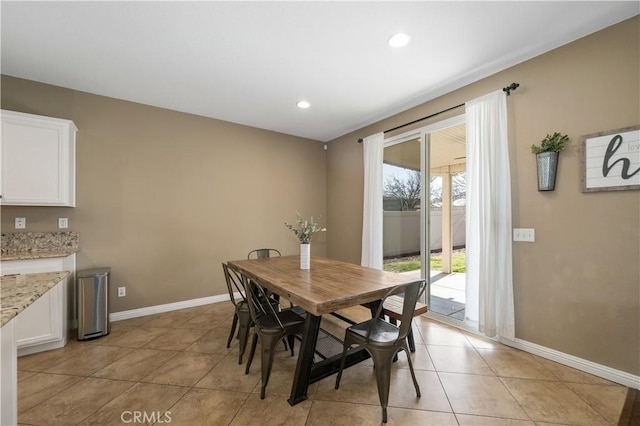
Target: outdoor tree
{"x": 435, "y": 190}
{"x": 406, "y": 190}
{"x": 459, "y": 186}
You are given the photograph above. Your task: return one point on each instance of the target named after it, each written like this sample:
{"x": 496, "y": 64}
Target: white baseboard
{"x": 617, "y": 376}
{"x": 158, "y": 309}
{"x": 28, "y": 350}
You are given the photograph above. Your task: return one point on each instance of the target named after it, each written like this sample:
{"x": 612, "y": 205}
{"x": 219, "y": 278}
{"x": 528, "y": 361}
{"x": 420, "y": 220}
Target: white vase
{"x": 305, "y": 256}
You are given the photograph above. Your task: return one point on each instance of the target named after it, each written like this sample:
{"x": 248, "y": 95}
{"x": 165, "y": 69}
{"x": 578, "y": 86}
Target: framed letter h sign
{"x": 611, "y": 160}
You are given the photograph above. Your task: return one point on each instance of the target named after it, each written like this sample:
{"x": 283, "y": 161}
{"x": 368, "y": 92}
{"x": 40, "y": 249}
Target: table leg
{"x": 373, "y": 307}
{"x": 305, "y": 359}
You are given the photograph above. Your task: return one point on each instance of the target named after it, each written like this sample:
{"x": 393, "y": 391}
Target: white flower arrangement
{"x": 305, "y": 229}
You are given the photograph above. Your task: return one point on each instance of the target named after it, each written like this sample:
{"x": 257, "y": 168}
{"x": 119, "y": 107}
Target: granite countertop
{"x": 28, "y": 254}
{"x": 38, "y": 245}
{"x": 20, "y": 291}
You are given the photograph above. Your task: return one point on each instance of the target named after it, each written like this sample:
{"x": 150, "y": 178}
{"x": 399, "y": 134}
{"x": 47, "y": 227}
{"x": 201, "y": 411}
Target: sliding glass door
{"x": 447, "y": 170}
{"x": 403, "y": 217}
{"x": 424, "y": 191}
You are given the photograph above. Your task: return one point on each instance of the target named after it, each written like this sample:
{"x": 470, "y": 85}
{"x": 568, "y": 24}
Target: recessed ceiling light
{"x": 303, "y": 104}
{"x": 399, "y": 40}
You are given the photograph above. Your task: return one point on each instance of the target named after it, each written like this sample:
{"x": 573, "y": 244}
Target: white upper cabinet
{"x": 38, "y": 160}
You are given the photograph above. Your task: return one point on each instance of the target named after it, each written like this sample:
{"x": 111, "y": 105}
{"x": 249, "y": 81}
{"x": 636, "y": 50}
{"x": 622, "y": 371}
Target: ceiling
{"x": 447, "y": 151}
{"x": 250, "y": 62}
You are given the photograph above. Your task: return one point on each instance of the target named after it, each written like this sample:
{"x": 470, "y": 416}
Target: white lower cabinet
{"x": 45, "y": 324}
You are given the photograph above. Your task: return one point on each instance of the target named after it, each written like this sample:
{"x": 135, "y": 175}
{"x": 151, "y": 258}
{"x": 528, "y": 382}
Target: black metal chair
{"x": 393, "y": 310}
{"x": 263, "y": 253}
{"x": 384, "y": 340}
{"x": 266, "y": 253}
{"x": 270, "y": 327}
{"x": 241, "y": 314}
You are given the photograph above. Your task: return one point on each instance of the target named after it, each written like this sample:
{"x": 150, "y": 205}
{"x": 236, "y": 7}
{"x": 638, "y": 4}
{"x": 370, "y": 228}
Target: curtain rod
{"x": 508, "y": 89}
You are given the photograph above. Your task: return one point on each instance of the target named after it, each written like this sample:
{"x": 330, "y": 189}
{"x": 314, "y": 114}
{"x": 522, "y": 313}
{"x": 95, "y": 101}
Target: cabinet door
{"x": 43, "y": 325}
{"x": 38, "y": 160}
{"x": 42, "y": 322}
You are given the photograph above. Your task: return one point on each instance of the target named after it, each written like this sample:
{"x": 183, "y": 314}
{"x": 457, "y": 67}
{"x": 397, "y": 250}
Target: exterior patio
{"x": 448, "y": 295}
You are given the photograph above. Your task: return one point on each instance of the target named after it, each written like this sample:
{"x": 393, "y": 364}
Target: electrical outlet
{"x": 524, "y": 234}
{"x": 21, "y": 222}
{"x": 122, "y": 291}
{"x": 63, "y": 223}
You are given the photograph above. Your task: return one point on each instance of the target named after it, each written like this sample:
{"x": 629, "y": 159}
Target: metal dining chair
{"x": 263, "y": 253}
{"x": 270, "y": 327}
{"x": 384, "y": 340}
{"x": 241, "y": 315}
{"x": 266, "y": 253}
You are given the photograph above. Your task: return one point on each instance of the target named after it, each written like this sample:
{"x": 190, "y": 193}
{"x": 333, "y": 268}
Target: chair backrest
{"x": 412, "y": 292}
{"x": 234, "y": 283}
{"x": 263, "y": 253}
{"x": 261, "y": 309}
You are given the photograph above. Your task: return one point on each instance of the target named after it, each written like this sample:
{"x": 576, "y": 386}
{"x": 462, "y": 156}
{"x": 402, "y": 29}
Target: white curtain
{"x": 489, "y": 276}
{"x": 372, "y": 210}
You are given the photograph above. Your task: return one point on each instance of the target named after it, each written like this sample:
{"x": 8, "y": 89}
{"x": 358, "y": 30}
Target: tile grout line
{"x": 503, "y": 385}
{"x": 193, "y": 387}
{"x": 497, "y": 376}
{"x": 60, "y": 391}
{"x": 585, "y": 401}
{"x": 248, "y": 394}
{"x": 108, "y": 402}
{"x": 536, "y": 358}
{"x": 435, "y": 369}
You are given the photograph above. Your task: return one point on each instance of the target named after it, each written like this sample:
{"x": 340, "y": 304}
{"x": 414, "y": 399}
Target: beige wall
{"x": 577, "y": 288}
{"x": 164, "y": 197}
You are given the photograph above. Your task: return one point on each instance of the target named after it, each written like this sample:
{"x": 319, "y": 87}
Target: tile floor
{"x": 174, "y": 368}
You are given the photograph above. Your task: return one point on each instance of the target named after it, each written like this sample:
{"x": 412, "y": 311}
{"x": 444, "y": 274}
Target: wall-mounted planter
{"x": 547, "y": 169}
{"x": 547, "y": 159}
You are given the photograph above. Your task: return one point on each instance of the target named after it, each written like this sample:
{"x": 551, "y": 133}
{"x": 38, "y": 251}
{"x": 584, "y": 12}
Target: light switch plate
{"x": 524, "y": 234}
{"x": 21, "y": 223}
{"x": 63, "y": 222}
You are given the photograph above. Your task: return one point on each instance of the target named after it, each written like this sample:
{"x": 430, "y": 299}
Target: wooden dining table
{"x": 328, "y": 286}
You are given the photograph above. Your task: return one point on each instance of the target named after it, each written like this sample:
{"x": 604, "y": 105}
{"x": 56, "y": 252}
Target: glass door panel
{"x": 424, "y": 218}
{"x": 447, "y": 201}
{"x": 402, "y": 216}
